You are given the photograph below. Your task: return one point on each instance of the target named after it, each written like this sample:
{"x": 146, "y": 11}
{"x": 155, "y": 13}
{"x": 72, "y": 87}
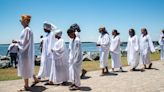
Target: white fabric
{"x": 13, "y": 48}
{"x": 133, "y": 51}
{"x": 60, "y": 65}
{"x": 104, "y": 42}
{"x": 75, "y": 61}
{"x": 146, "y": 45}
{"x": 115, "y": 52}
{"x": 161, "y": 42}
{"x": 26, "y": 54}
{"x": 46, "y": 56}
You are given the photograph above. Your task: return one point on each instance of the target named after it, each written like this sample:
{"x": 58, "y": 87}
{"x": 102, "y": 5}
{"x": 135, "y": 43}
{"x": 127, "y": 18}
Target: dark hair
{"x": 163, "y": 31}
{"x": 132, "y": 30}
{"x": 75, "y": 27}
{"x": 145, "y": 30}
{"x": 117, "y": 33}
{"x": 70, "y": 30}
{"x": 104, "y": 30}
{"x": 41, "y": 36}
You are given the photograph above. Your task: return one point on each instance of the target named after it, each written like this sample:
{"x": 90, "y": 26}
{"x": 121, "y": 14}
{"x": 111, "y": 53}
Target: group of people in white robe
{"x": 60, "y": 65}
{"x": 137, "y": 49}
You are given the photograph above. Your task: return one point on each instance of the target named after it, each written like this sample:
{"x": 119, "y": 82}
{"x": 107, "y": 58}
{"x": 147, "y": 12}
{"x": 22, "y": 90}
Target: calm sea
{"x": 86, "y": 46}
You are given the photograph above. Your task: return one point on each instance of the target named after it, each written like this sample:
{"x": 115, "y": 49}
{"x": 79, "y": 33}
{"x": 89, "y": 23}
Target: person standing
{"x": 60, "y": 66}
{"x": 26, "y": 52}
{"x": 46, "y": 55}
{"x": 115, "y": 50}
{"x": 13, "y": 51}
{"x": 77, "y": 29}
{"x": 146, "y": 46}
{"x": 104, "y": 44}
{"x": 161, "y": 42}
{"x": 75, "y": 60}
{"x": 133, "y": 50}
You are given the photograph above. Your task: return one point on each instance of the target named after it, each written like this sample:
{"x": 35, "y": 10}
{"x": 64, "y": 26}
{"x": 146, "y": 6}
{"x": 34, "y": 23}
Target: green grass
{"x": 11, "y": 73}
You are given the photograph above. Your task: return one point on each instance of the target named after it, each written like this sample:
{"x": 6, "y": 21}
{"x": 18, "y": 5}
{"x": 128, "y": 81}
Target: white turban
{"x": 58, "y": 32}
{"x": 49, "y": 26}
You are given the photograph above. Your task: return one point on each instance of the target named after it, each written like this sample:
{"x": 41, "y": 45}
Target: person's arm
{"x": 151, "y": 44}
{"x": 77, "y": 53}
{"x": 116, "y": 44}
{"x": 136, "y": 47}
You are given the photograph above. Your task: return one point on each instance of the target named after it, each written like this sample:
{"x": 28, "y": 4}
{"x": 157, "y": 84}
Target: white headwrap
{"x": 49, "y": 26}
{"x": 58, "y": 32}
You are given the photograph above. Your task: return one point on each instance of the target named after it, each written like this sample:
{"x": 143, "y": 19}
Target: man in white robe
{"x": 115, "y": 50}
{"x": 146, "y": 46}
{"x": 161, "y": 42}
{"x": 104, "y": 44}
{"x": 26, "y": 52}
{"x": 75, "y": 60}
{"x": 133, "y": 50}
{"x": 46, "y": 55}
{"x": 60, "y": 66}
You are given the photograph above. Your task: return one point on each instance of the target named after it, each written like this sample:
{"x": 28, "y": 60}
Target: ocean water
{"x": 86, "y": 46}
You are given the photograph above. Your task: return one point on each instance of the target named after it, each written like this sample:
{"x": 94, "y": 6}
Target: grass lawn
{"x": 11, "y": 73}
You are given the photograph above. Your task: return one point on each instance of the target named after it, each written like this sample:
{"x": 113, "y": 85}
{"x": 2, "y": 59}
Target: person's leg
{"x": 106, "y": 69}
{"x": 15, "y": 61}
{"x": 26, "y": 83}
{"x": 83, "y": 72}
{"x": 113, "y": 69}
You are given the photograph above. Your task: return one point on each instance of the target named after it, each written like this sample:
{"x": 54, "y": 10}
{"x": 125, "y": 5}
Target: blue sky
{"x": 89, "y": 14}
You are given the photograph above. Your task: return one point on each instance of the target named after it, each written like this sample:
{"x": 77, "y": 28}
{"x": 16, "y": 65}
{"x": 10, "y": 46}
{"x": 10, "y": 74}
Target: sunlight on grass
{"x": 11, "y": 73}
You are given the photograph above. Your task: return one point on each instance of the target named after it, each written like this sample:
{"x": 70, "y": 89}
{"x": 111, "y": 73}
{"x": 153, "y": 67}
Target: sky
{"x": 89, "y": 14}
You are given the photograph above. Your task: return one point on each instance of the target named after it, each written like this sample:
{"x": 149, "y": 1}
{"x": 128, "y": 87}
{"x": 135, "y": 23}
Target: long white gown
{"x": 75, "y": 61}
{"x": 26, "y": 54}
{"x": 133, "y": 51}
{"x": 46, "y": 57}
{"x": 115, "y": 52}
{"x": 161, "y": 42}
{"x": 104, "y": 42}
{"x": 60, "y": 65}
{"x": 146, "y": 46}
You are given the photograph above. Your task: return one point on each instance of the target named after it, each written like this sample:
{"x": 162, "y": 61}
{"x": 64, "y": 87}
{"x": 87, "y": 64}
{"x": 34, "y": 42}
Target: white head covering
{"x": 58, "y": 32}
{"x": 49, "y": 26}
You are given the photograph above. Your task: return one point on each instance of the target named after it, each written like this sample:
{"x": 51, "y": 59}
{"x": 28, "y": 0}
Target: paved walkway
{"x": 148, "y": 81}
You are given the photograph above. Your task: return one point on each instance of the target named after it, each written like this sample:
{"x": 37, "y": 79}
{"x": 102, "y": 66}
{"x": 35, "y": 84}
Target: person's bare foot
{"x": 24, "y": 89}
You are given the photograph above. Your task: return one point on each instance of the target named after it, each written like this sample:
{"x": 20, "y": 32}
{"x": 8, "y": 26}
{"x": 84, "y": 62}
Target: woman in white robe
{"x": 133, "y": 50}
{"x": 161, "y": 42}
{"x": 26, "y": 52}
{"x": 46, "y": 55}
{"x": 60, "y": 66}
{"x": 75, "y": 60}
{"x": 115, "y": 50}
{"x": 104, "y": 43}
{"x": 77, "y": 29}
{"x": 146, "y": 46}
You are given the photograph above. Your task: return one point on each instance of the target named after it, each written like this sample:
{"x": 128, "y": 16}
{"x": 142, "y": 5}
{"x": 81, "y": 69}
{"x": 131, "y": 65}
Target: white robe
{"x": 46, "y": 57}
{"x": 75, "y": 61}
{"x": 115, "y": 52}
{"x": 104, "y": 42}
{"x": 146, "y": 45}
{"x": 26, "y": 54}
{"x": 161, "y": 42}
{"x": 60, "y": 65}
{"x": 133, "y": 51}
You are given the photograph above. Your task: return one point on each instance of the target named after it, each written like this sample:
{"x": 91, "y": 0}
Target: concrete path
{"x": 148, "y": 81}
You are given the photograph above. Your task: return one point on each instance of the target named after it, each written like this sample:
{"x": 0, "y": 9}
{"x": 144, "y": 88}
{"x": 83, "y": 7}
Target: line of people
{"x": 61, "y": 65}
